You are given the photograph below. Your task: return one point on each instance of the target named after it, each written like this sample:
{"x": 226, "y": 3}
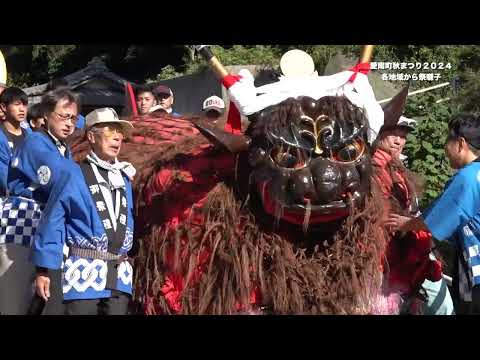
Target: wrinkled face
{"x": 106, "y": 140}
{"x": 310, "y": 158}
{"x": 61, "y": 122}
{"x": 165, "y": 101}
{"x": 15, "y": 111}
{"x": 393, "y": 141}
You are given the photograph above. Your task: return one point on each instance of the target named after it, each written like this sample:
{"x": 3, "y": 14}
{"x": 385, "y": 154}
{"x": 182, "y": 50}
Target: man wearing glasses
{"x": 35, "y": 165}
{"x": 96, "y": 214}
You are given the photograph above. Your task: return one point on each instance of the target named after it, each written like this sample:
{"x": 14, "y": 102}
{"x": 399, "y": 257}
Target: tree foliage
{"x": 425, "y": 145}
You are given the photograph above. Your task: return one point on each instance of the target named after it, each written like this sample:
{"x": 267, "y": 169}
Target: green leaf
{"x": 427, "y": 146}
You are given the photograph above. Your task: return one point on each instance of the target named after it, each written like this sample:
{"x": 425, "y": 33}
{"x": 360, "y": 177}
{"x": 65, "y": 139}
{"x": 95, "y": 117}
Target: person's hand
{"x": 395, "y": 222}
{"x": 42, "y": 286}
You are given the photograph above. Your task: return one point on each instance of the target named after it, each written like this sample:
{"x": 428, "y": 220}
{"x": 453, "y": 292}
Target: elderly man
{"x": 34, "y": 163}
{"x": 92, "y": 212}
{"x": 398, "y": 186}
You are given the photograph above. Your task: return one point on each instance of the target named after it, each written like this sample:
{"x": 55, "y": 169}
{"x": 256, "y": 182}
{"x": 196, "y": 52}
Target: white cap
{"x": 106, "y": 115}
{"x": 213, "y": 103}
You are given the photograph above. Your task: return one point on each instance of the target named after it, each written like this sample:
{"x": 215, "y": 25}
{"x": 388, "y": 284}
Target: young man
{"x": 455, "y": 214}
{"x": 213, "y": 107}
{"x": 145, "y": 100}
{"x": 38, "y": 160}
{"x": 13, "y": 103}
{"x": 164, "y": 97}
{"x": 93, "y": 213}
{"x": 35, "y": 117}
{"x": 397, "y": 185}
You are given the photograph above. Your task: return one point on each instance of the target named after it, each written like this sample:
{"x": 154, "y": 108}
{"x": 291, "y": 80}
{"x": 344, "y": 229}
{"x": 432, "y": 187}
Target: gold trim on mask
{"x": 316, "y": 129}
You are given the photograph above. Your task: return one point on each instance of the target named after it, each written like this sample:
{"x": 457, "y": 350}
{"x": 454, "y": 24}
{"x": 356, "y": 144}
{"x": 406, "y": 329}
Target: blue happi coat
{"x": 5, "y": 155}
{"x": 6, "y": 152}
{"x": 70, "y": 216}
{"x": 37, "y": 159}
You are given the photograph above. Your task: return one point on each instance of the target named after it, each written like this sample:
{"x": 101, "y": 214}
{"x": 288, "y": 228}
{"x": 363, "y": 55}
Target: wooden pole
{"x": 218, "y": 68}
{"x": 366, "y": 55}
{"x": 215, "y": 64}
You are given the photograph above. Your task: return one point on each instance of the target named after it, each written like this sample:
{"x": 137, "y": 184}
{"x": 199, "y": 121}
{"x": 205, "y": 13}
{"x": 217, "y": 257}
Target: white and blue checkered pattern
{"x": 19, "y": 220}
{"x": 469, "y": 276}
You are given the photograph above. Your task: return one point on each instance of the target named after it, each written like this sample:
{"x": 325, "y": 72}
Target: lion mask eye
{"x": 291, "y": 158}
{"x": 350, "y": 152}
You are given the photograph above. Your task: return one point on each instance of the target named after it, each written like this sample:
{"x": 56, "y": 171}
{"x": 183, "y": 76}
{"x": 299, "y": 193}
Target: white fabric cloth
{"x": 250, "y": 99}
{"x": 116, "y": 168}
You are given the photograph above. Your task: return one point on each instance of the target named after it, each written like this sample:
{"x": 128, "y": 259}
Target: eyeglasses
{"x": 110, "y": 132}
{"x": 66, "y": 117}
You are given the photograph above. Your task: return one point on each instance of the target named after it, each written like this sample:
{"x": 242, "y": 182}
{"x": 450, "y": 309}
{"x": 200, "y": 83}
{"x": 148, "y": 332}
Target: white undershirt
{"x": 61, "y": 148}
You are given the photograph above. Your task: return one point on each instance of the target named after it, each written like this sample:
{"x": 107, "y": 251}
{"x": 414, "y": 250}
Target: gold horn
{"x": 367, "y": 52}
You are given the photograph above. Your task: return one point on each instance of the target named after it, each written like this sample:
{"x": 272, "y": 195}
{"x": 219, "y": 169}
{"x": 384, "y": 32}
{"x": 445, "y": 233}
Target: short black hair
{"x": 12, "y": 94}
{"x": 466, "y": 125}
{"x": 143, "y": 89}
{"x": 57, "y": 83}
{"x": 51, "y": 98}
{"x": 34, "y": 112}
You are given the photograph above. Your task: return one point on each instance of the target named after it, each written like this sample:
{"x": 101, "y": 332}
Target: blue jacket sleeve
{"x": 131, "y": 207}
{"x": 50, "y": 236}
{"x": 5, "y": 155}
{"x": 34, "y": 164}
{"x": 134, "y": 246}
{"x": 459, "y": 203}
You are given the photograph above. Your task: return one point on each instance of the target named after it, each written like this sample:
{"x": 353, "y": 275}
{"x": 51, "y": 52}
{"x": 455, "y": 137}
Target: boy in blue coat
{"x": 13, "y": 103}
